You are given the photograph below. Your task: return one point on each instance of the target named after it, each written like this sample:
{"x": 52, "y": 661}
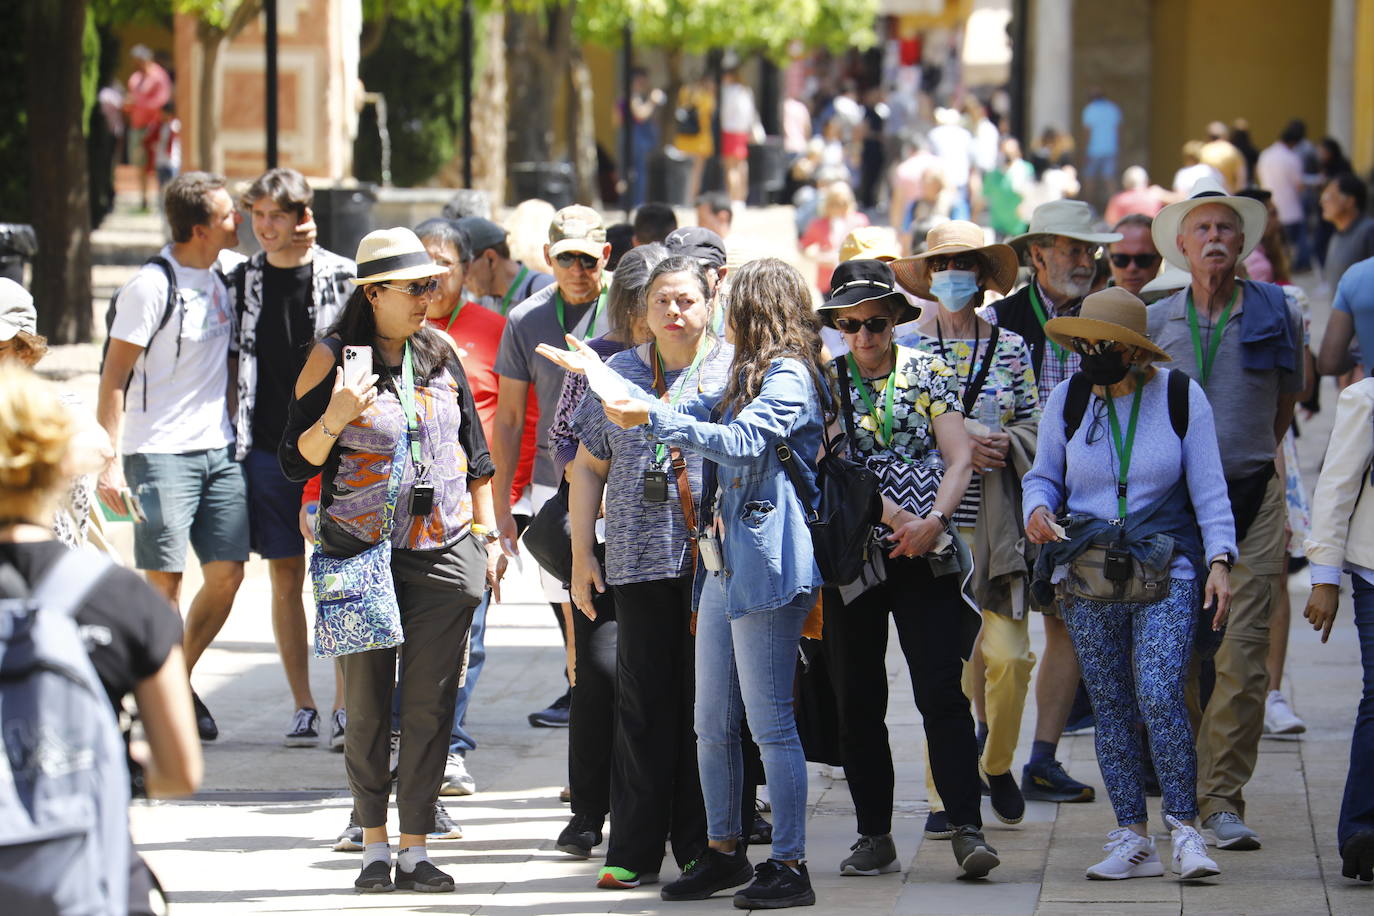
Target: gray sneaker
{"x": 872, "y": 855}
{"x": 1226, "y": 830}
{"x": 973, "y": 853}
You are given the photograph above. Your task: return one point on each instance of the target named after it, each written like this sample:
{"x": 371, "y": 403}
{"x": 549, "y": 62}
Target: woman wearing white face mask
{"x": 996, "y": 383}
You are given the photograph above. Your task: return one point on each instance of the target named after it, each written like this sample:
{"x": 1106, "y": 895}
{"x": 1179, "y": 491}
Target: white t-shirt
{"x": 737, "y": 115}
{"x": 187, "y": 408}
{"x": 1280, "y": 172}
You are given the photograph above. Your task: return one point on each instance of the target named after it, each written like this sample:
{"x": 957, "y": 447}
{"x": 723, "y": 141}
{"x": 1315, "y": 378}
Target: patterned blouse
{"x": 926, "y": 388}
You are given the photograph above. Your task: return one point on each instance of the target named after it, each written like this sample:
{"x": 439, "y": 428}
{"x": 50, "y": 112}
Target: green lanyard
{"x": 510, "y": 291}
{"x": 884, "y": 416}
{"x": 454, "y": 317}
{"x": 661, "y": 450}
{"x": 407, "y": 396}
{"x": 1123, "y": 450}
{"x": 591, "y": 325}
{"x": 1040, "y": 315}
{"x": 1204, "y": 365}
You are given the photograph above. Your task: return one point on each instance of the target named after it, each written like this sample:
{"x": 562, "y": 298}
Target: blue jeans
{"x": 747, "y": 665}
{"x": 461, "y": 742}
{"x": 1357, "y": 808}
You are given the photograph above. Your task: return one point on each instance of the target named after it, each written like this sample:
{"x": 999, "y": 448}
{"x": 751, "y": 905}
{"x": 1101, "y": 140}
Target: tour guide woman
{"x": 901, "y": 405}
{"x": 439, "y": 563}
{"x": 1130, "y": 483}
{"x": 751, "y": 608}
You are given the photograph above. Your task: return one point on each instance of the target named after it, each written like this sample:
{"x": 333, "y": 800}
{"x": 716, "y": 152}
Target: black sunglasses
{"x": 416, "y": 289}
{"x": 1143, "y": 261}
{"x": 952, "y": 262}
{"x": 569, "y": 258}
{"x": 875, "y": 325}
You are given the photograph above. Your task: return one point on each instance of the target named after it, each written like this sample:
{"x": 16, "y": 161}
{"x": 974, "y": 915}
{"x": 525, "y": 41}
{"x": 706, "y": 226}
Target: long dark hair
{"x": 356, "y": 327}
{"x": 771, "y": 313}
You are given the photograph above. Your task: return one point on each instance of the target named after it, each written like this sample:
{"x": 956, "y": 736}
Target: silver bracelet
{"x": 325, "y": 429}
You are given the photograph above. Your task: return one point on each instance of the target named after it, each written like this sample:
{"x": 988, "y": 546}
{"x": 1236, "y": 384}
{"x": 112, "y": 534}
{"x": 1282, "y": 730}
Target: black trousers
{"x": 591, "y": 720}
{"x": 655, "y": 787}
{"x": 926, "y": 611}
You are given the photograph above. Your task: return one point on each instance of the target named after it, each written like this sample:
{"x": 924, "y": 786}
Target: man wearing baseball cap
{"x": 1241, "y": 341}
{"x": 575, "y": 303}
{"x": 495, "y": 279}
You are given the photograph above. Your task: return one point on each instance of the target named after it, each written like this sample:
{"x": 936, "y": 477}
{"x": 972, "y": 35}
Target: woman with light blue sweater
{"x": 1127, "y": 458}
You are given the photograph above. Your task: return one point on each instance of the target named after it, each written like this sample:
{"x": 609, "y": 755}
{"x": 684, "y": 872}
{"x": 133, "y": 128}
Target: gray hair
{"x": 468, "y": 202}
{"x": 625, "y": 301}
{"x": 442, "y": 230}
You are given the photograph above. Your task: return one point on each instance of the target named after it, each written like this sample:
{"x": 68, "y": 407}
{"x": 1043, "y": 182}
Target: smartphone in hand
{"x": 357, "y": 365}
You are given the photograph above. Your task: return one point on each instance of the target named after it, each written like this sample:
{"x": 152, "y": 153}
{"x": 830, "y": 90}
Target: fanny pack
{"x": 1112, "y": 573}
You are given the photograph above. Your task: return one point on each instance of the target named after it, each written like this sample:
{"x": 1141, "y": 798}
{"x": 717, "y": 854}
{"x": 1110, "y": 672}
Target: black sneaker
{"x": 1047, "y": 781}
{"x": 305, "y": 728}
{"x": 1357, "y": 856}
{"x": 336, "y": 737}
{"x": 1008, "y": 805}
{"x": 351, "y": 840}
{"x": 975, "y": 857}
{"x": 581, "y": 836}
{"x": 708, "y": 873}
{"x": 555, "y": 715}
{"x": 205, "y": 723}
{"x": 776, "y": 886}
{"x": 872, "y": 855}
{"x": 426, "y": 878}
{"x": 374, "y": 879}
{"x": 445, "y": 827}
{"x": 938, "y": 826}
{"x": 761, "y": 833}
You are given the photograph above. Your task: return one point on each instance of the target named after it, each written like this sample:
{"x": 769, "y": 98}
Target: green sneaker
{"x": 614, "y": 877}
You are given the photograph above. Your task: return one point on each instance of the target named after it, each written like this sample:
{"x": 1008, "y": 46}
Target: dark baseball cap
{"x": 697, "y": 242}
{"x": 482, "y": 233}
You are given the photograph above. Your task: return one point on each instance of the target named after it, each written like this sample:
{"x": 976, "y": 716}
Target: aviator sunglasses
{"x": 416, "y": 289}
{"x": 875, "y": 325}
{"x": 568, "y": 258}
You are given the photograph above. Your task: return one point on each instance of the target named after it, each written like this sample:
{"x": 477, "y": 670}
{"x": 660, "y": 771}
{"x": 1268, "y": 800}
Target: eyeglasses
{"x": 1143, "y": 261}
{"x": 568, "y": 258}
{"x": 875, "y": 325}
{"x": 941, "y": 262}
{"x": 416, "y": 289}
{"x": 1079, "y": 251}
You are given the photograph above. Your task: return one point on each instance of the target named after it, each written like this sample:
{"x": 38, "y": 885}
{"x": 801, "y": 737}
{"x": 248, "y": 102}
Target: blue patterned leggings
{"x": 1135, "y": 657}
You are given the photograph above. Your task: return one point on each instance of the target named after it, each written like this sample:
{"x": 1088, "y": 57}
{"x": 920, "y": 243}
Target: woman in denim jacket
{"x": 750, "y": 612}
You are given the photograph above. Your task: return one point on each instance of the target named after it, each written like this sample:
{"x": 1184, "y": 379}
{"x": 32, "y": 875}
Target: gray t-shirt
{"x": 531, "y": 323}
{"x": 1244, "y": 401}
{"x": 645, "y": 541}
{"x": 1346, "y": 248}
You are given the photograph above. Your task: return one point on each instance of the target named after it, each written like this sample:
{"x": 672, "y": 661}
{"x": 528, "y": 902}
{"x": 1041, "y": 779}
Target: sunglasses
{"x": 875, "y": 325}
{"x": 952, "y": 262}
{"x": 1143, "y": 261}
{"x": 568, "y": 259}
{"x": 416, "y": 289}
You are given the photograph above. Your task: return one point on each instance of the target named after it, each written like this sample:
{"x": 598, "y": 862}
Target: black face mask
{"x": 1105, "y": 368}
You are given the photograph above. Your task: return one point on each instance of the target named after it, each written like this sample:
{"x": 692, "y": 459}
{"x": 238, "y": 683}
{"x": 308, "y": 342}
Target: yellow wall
{"x": 1362, "y": 145}
{"x": 1262, "y": 60}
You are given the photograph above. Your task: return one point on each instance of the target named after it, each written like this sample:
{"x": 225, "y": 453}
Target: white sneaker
{"x": 457, "y": 780}
{"x": 1131, "y": 856}
{"x": 1190, "y": 852}
{"x": 1279, "y": 718}
{"x": 830, "y": 772}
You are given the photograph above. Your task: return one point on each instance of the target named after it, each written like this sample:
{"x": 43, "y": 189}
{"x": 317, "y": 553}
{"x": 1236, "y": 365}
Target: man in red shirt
{"x": 150, "y": 88}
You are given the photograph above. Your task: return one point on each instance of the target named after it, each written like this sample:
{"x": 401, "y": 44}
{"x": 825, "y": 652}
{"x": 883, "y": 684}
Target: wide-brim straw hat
{"x": 1111, "y": 314}
{"x": 1253, "y": 216}
{"x": 393, "y": 254}
{"x": 865, "y": 280}
{"x": 1073, "y": 219}
{"x": 876, "y": 243}
{"x": 958, "y": 236}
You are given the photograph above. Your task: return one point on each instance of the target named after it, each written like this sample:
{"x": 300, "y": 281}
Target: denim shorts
{"x": 274, "y": 507}
{"x": 197, "y": 496}
{"x": 1103, "y": 167}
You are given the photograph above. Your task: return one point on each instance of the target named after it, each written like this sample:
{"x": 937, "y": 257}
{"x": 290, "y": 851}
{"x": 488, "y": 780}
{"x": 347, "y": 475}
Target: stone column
{"x": 1051, "y": 66}
{"x": 1340, "y": 70}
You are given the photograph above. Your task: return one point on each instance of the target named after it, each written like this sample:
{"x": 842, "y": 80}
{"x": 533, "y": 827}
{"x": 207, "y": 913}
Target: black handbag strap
{"x": 846, "y": 402}
{"x": 789, "y": 467}
{"x": 975, "y": 387}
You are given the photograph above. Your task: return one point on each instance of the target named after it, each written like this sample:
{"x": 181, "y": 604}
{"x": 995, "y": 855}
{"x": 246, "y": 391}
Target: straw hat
{"x": 393, "y": 254}
{"x": 870, "y": 243}
{"x": 1072, "y": 219}
{"x": 1111, "y": 314}
{"x": 864, "y": 280}
{"x": 1170, "y": 281}
{"x": 957, "y": 236}
{"x": 1166, "y": 227}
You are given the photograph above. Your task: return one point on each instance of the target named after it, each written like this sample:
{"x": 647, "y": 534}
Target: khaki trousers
{"x": 1228, "y": 731}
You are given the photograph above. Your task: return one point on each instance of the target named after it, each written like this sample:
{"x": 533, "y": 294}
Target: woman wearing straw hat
{"x": 1136, "y": 481}
{"x": 996, "y": 385}
{"x": 414, "y": 389}
{"x": 899, "y": 407}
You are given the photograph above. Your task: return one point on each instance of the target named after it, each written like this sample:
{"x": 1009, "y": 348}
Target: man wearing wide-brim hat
{"x": 1061, "y": 247}
{"x": 1241, "y": 340}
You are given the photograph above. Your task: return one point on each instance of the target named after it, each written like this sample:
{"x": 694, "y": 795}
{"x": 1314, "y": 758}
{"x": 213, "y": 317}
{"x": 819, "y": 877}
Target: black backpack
{"x": 167, "y": 311}
{"x": 1076, "y": 403}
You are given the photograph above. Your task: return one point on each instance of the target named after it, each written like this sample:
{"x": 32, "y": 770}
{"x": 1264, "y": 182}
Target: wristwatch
{"x": 944, "y": 519}
{"x": 482, "y": 531}
{"x": 1224, "y": 558}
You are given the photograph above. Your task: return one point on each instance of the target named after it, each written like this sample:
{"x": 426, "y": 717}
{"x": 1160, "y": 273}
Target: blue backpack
{"x": 64, "y": 782}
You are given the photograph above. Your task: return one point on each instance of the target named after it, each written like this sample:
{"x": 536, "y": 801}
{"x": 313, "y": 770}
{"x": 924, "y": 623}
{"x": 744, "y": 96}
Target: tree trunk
{"x": 489, "y": 120}
{"x": 531, "y": 95}
{"x": 60, "y": 191}
{"x": 209, "y": 156}
{"x": 582, "y": 139}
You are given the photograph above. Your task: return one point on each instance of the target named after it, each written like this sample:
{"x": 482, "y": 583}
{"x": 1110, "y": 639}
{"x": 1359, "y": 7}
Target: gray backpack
{"x": 64, "y": 783}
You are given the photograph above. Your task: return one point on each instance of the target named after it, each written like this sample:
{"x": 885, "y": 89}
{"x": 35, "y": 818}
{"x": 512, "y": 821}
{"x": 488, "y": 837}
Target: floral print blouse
{"x": 925, "y": 388}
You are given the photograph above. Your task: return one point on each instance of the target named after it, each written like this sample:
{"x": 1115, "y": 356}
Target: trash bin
{"x": 344, "y": 216}
{"x": 767, "y": 171}
{"x": 670, "y": 177}
{"x": 551, "y": 181}
{"x": 18, "y": 243}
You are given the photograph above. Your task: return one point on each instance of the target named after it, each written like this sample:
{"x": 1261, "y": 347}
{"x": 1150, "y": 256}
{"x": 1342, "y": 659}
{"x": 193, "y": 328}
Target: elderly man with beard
{"x": 1241, "y": 341}
{"x": 1061, "y": 248}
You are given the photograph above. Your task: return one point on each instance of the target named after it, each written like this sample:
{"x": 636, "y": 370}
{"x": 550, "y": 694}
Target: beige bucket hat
{"x": 1111, "y": 314}
{"x": 1072, "y": 219}
{"x": 957, "y": 236}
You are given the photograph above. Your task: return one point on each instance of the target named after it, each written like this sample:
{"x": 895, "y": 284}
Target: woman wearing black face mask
{"x": 1137, "y": 481}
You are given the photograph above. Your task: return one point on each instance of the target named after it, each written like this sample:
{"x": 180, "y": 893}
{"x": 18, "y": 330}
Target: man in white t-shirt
{"x": 164, "y": 400}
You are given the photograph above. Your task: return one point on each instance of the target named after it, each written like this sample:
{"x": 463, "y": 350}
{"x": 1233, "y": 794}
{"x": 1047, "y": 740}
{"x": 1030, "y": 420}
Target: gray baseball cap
{"x": 16, "y": 310}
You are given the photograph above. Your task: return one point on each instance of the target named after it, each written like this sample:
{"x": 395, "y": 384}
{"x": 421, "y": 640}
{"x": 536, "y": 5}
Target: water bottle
{"x": 990, "y": 415}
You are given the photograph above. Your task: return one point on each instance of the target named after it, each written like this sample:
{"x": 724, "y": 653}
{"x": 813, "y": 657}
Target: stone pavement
{"x": 257, "y": 838}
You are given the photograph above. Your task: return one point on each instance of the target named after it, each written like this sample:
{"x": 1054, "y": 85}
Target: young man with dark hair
{"x": 652, "y": 223}
{"x": 285, "y": 296}
{"x": 500, "y": 282}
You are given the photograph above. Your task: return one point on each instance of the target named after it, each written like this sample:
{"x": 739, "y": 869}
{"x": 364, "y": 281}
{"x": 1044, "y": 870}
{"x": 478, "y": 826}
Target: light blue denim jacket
{"x": 767, "y": 549}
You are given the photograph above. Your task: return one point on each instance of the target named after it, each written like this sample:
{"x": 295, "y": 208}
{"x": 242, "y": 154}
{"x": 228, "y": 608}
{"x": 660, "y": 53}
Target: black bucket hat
{"x": 865, "y": 280}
